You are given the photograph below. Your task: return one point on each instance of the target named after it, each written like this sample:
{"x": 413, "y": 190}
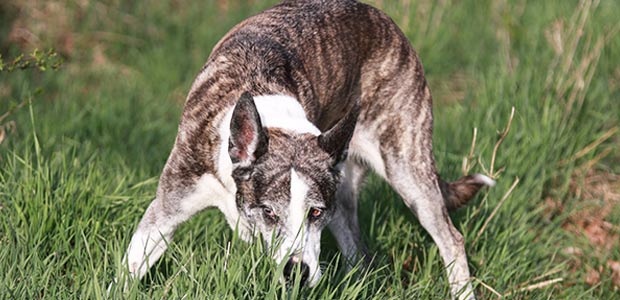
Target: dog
{"x": 292, "y": 109}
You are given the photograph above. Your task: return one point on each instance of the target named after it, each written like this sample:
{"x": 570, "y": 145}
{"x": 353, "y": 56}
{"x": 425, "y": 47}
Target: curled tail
{"x": 457, "y": 193}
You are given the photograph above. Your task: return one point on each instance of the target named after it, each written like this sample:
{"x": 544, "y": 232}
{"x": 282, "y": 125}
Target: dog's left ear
{"x": 336, "y": 140}
{"x": 248, "y": 139}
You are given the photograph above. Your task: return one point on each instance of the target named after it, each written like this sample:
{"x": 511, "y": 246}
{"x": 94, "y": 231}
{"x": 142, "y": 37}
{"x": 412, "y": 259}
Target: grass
{"x": 79, "y": 165}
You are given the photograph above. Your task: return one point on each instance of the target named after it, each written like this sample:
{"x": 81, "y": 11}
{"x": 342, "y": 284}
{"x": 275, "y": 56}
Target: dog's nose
{"x": 290, "y": 270}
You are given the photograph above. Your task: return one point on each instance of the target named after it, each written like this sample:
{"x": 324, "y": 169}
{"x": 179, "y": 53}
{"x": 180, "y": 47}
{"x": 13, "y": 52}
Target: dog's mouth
{"x": 301, "y": 265}
{"x": 300, "y": 273}
{"x": 295, "y": 268}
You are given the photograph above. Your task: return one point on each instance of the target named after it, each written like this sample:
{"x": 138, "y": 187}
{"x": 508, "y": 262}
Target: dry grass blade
{"x": 546, "y": 274}
{"x": 182, "y": 269}
{"x": 590, "y": 164}
{"x": 552, "y": 272}
{"x": 589, "y": 148}
{"x": 488, "y": 287}
{"x": 226, "y": 256}
{"x": 501, "y": 202}
{"x": 538, "y": 285}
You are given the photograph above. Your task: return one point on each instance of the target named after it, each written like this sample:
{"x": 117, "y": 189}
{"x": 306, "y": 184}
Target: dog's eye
{"x": 315, "y": 213}
{"x": 269, "y": 214}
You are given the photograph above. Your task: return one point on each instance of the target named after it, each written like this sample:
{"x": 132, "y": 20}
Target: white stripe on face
{"x": 309, "y": 242}
{"x": 294, "y": 228}
{"x": 297, "y": 206}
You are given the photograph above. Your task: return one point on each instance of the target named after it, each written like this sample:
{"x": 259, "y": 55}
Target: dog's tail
{"x": 457, "y": 193}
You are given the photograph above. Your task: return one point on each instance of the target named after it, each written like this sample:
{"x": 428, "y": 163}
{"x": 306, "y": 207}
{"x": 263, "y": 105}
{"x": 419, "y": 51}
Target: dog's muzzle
{"x": 290, "y": 270}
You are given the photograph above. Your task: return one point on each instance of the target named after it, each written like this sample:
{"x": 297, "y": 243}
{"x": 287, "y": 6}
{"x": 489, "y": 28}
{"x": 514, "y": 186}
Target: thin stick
{"x": 12, "y": 110}
{"x": 542, "y": 284}
{"x": 502, "y": 136}
{"x": 484, "y": 169}
{"x": 467, "y": 160}
{"x": 488, "y": 287}
{"x": 501, "y": 202}
{"x": 539, "y": 277}
{"x": 536, "y": 286}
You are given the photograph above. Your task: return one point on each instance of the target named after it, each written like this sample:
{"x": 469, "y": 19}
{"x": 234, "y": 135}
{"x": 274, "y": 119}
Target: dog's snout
{"x": 290, "y": 270}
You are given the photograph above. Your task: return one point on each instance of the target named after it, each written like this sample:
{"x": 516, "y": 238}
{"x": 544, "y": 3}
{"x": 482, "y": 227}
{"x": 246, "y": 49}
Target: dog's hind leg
{"x": 345, "y": 225}
{"x": 410, "y": 170}
{"x": 422, "y": 195}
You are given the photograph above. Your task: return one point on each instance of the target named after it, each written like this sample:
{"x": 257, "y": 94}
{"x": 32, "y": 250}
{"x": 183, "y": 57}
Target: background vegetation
{"x": 79, "y": 161}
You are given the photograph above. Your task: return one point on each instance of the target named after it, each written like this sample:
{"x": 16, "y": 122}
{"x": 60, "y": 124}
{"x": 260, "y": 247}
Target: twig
{"x": 488, "y": 287}
{"x": 502, "y": 136}
{"x": 539, "y": 285}
{"x": 484, "y": 169}
{"x": 539, "y": 277}
{"x": 501, "y": 202}
{"x": 467, "y": 160}
{"x": 12, "y": 110}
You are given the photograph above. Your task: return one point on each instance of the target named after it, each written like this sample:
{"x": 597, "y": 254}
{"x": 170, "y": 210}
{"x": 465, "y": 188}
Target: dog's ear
{"x": 248, "y": 139}
{"x": 336, "y": 140}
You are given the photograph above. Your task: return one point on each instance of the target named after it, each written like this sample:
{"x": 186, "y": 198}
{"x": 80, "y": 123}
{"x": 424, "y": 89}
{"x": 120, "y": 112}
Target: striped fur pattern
{"x": 291, "y": 110}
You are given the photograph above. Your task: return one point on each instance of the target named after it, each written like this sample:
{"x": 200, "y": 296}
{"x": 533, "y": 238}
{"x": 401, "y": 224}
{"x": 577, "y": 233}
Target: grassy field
{"x": 79, "y": 163}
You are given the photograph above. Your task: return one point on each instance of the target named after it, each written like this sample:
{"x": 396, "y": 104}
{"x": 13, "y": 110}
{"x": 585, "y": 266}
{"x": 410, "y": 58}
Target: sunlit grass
{"x": 82, "y": 164}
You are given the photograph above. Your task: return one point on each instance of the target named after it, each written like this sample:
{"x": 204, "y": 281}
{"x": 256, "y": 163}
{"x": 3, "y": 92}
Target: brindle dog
{"x": 280, "y": 127}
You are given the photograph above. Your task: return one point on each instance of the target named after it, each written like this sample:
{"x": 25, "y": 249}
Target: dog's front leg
{"x": 151, "y": 238}
{"x": 345, "y": 225}
{"x": 165, "y": 214}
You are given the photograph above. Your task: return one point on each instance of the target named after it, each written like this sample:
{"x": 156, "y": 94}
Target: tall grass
{"x": 82, "y": 164}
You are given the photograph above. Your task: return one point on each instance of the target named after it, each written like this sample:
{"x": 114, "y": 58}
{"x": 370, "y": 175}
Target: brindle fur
{"x": 330, "y": 55}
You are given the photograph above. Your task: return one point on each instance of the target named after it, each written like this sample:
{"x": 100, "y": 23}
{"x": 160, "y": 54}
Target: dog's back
{"x": 327, "y": 55}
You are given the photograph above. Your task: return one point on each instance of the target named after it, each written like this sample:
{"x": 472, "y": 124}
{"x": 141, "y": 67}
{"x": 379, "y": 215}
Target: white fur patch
{"x": 301, "y": 242}
{"x": 207, "y": 192}
{"x": 279, "y": 111}
{"x": 308, "y": 242}
{"x": 366, "y": 147}
{"x": 484, "y": 180}
{"x": 297, "y": 206}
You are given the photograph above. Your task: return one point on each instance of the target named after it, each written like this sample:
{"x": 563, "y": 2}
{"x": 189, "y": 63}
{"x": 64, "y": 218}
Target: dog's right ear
{"x": 248, "y": 139}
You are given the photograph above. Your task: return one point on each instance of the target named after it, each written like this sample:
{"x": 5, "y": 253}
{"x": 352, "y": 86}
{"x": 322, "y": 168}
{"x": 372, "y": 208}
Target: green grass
{"x": 82, "y": 164}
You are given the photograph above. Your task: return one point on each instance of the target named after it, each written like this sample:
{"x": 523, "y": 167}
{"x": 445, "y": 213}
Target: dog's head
{"x": 286, "y": 184}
